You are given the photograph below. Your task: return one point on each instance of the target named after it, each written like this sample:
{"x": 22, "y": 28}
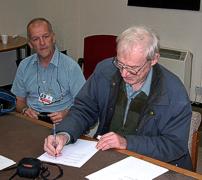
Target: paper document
{"x": 73, "y": 154}
{"x": 130, "y": 168}
{"x": 5, "y": 162}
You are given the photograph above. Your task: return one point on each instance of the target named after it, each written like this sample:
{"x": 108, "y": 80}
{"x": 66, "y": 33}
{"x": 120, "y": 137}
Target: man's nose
{"x": 42, "y": 42}
{"x": 124, "y": 72}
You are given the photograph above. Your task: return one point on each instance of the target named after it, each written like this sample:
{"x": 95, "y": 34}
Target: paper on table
{"x": 73, "y": 154}
{"x": 129, "y": 168}
{"x": 5, "y": 162}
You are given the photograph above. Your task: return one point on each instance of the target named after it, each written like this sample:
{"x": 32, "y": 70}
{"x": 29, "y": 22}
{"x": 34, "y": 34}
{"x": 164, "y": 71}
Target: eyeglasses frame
{"x": 127, "y": 68}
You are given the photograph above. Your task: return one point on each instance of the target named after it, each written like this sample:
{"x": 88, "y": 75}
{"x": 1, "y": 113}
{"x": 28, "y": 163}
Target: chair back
{"x": 193, "y": 141}
{"x": 96, "y": 49}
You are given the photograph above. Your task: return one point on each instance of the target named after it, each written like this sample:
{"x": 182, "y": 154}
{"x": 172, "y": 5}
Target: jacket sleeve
{"x": 84, "y": 113}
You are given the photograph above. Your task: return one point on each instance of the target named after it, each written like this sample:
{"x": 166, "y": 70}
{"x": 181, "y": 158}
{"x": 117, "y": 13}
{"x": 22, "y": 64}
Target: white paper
{"x": 5, "y": 162}
{"x": 73, "y": 154}
{"x": 130, "y": 168}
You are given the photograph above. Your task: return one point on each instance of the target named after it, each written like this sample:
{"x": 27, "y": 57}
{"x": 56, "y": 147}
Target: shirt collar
{"x": 146, "y": 86}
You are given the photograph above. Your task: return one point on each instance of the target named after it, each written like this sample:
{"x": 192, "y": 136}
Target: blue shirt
{"x": 62, "y": 77}
{"x": 132, "y": 94}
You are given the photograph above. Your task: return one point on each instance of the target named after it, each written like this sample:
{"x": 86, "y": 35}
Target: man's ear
{"x": 155, "y": 60}
{"x": 30, "y": 45}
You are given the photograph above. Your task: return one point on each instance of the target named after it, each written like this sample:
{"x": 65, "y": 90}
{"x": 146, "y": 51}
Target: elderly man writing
{"x": 141, "y": 106}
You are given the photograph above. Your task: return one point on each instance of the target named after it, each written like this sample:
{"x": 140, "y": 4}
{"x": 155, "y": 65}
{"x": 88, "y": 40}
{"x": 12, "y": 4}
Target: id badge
{"x": 45, "y": 98}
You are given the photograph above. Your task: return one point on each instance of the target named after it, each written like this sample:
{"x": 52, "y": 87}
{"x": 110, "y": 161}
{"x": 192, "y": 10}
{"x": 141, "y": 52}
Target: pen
{"x": 54, "y": 134}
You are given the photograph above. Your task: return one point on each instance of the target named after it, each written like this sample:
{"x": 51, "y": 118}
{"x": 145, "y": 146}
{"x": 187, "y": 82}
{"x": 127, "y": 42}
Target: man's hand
{"x": 61, "y": 140}
{"x": 31, "y": 113}
{"x": 111, "y": 140}
{"x": 57, "y": 116}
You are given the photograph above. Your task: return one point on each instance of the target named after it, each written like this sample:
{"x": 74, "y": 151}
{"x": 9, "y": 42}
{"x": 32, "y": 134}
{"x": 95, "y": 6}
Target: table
{"x": 15, "y": 43}
{"x": 21, "y": 136}
{"x": 9, "y": 61}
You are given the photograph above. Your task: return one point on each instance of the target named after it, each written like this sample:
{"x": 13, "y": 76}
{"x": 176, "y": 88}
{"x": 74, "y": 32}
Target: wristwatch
{"x": 23, "y": 111}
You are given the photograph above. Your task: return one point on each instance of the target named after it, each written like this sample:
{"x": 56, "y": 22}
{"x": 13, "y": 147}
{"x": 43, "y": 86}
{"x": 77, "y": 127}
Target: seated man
{"x": 141, "y": 106}
{"x": 47, "y": 81}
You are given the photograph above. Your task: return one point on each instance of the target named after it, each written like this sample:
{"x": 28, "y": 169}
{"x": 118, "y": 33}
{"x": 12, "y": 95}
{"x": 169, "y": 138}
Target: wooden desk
{"x": 21, "y": 136}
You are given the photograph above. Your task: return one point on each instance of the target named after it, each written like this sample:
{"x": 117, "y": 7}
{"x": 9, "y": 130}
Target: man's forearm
{"x": 20, "y": 106}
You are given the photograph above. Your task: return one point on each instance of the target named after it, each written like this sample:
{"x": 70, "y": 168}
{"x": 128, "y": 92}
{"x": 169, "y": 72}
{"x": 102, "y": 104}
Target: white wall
{"x": 72, "y": 20}
{"x": 63, "y": 15}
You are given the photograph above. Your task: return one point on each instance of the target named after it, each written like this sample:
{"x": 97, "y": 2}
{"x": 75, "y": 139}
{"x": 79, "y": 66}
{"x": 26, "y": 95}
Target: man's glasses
{"x": 127, "y": 68}
{"x": 61, "y": 94}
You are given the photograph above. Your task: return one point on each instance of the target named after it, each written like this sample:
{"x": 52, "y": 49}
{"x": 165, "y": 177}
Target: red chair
{"x": 96, "y": 49}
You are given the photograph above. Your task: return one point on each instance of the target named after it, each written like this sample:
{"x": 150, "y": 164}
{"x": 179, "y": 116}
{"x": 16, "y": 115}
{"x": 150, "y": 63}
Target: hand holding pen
{"x": 51, "y": 143}
{"x": 54, "y": 142}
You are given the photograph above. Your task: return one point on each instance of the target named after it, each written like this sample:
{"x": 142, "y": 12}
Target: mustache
{"x": 42, "y": 47}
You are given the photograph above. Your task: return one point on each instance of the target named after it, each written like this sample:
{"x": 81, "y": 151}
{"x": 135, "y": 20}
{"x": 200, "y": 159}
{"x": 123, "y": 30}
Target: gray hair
{"x": 35, "y": 20}
{"x": 138, "y": 35}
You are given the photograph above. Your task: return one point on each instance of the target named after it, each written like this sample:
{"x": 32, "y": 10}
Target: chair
{"x": 64, "y": 52}
{"x": 96, "y": 49}
{"x": 193, "y": 141}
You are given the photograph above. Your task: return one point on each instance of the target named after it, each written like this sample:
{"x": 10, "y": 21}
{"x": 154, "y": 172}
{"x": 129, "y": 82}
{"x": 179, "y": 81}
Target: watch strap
{"x": 23, "y": 111}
